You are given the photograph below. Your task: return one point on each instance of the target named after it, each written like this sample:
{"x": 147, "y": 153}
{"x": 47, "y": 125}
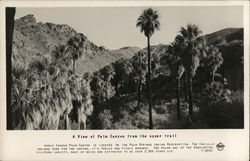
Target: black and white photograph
{"x": 125, "y": 68}
{"x": 124, "y": 80}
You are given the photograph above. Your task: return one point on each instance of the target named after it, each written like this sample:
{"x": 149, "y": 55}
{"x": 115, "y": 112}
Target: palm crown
{"x": 192, "y": 45}
{"x": 75, "y": 45}
{"x": 148, "y": 22}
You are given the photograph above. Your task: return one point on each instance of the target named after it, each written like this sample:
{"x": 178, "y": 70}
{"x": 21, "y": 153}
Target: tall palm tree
{"x": 185, "y": 87}
{"x": 173, "y": 60}
{"x": 148, "y": 22}
{"x": 75, "y": 48}
{"x": 140, "y": 80}
{"x": 139, "y": 67}
{"x": 193, "y": 47}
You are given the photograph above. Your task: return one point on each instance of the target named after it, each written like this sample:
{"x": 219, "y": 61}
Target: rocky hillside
{"x": 96, "y": 60}
{"x": 32, "y": 39}
{"x": 228, "y": 34}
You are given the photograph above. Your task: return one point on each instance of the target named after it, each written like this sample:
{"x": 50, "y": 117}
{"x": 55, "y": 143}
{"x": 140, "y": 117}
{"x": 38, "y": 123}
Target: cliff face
{"x": 32, "y": 39}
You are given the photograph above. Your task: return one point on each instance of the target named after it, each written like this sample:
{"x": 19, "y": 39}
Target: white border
{"x": 21, "y": 144}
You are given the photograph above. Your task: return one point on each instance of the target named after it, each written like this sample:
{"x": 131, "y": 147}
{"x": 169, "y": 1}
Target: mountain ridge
{"x": 227, "y": 34}
{"x": 32, "y": 39}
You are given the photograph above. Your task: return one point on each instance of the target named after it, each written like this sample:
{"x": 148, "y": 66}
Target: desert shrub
{"x": 160, "y": 120}
{"x": 168, "y": 119}
{"x": 237, "y": 96}
{"x": 141, "y": 119}
{"x": 215, "y": 93}
{"x": 40, "y": 63}
{"x": 222, "y": 109}
{"x": 224, "y": 115}
{"x": 126, "y": 121}
{"x": 18, "y": 70}
{"x": 105, "y": 120}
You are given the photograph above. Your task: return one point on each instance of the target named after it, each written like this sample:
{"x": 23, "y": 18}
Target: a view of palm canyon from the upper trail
{"x": 169, "y": 67}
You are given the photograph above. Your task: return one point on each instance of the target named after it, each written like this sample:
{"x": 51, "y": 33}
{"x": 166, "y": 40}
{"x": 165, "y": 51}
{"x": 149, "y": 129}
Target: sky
{"x": 115, "y": 27}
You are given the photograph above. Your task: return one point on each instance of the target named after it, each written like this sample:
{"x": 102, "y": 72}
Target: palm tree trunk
{"x": 121, "y": 83}
{"x": 117, "y": 93}
{"x": 79, "y": 120}
{"x": 106, "y": 93}
{"x": 84, "y": 125}
{"x": 139, "y": 94}
{"x": 212, "y": 77}
{"x": 66, "y": 122}
{"x": 74, "y": 65}
{"x": 190, "y": 91}
{"x": 178, "y": 98}
{"x": 10, "y": 21}
{"x": 139, "y": 87}
{"x": 186, "y": 86}
{"x": 149, "y": 86}
{"x": 222, "y": 74}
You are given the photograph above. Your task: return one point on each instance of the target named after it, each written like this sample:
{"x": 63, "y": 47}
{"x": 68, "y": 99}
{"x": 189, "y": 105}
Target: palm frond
{"x": 18, "y": 70}
{"x": 148, "y": 21}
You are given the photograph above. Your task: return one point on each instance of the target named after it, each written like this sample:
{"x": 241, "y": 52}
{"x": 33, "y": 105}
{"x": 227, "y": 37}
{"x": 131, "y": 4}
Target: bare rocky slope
{"x": 32, "y": 39}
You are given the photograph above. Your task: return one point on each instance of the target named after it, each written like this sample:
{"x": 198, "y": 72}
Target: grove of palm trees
{"x": 193, "y": 82}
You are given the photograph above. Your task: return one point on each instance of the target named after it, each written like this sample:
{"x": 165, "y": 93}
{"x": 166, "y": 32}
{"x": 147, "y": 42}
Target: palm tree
{"x": 140, "y": 81}
{"x": 139, "y": 69}
{"x": 148, "y": 22}
{"x": 122, "y": 69}
{"x": 213, "y": 61}
{"x": 193, "y": 47}
{"x": 173, "y": 60}
{"x": 75, "y": 48}
{"x": 185, "y": 87}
